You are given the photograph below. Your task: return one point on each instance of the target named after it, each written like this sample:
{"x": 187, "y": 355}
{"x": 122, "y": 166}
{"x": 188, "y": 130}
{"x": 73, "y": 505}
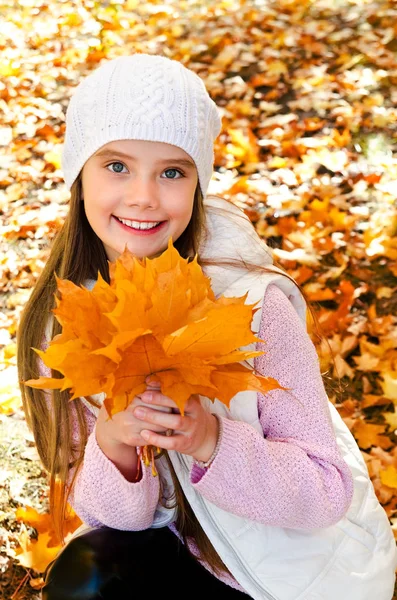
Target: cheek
{"x": 93, "y": 217}
{"x": 184, "y": 207}
{"x": 97, "y": 207}
{"x": 89, "y": 209}
{"x": 182, "y": 217}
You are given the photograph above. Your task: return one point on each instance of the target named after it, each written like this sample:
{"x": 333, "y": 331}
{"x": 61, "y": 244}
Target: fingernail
{"x": 147, "y": 396}
{"x": 139, "y": 412}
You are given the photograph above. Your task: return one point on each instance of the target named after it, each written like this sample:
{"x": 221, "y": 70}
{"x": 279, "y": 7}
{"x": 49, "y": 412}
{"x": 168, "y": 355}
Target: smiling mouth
{"x": 141, "y": 226}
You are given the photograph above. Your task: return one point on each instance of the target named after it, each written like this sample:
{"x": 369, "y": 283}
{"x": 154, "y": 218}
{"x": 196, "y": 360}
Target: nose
{"x": 142, "y": 192}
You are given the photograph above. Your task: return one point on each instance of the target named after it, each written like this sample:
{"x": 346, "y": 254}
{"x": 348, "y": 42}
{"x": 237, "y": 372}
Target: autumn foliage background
{"x": 309, "y": 101}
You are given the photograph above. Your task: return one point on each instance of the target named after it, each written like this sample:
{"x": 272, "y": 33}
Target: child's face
{"x": 152, "y": 184}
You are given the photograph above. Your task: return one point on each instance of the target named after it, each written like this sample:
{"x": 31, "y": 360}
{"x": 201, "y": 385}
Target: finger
{"x": 135, "y": 425}
{"x": 192, "y": 405}
{"x": 131, "y": 438}
{"x": 153, "y": 383}
{"x": 153, "y": 386}
{"x": 155, "y": 397}
{"x": 167, "y": 420}
{"x": 193, "y": 400}
{"x": 138, "y": 402}
{"x": 153, "y": 427}
{"x": 160, "y": 441}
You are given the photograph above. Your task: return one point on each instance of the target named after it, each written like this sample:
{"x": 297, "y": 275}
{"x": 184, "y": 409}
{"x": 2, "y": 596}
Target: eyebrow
{"x": 116, "y": 153}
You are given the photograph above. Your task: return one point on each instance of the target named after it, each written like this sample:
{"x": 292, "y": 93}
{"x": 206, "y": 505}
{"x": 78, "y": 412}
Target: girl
{"x": 270, "y": 499}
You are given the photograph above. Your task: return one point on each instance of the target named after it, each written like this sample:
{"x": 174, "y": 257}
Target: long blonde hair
{"x": 78, "y": 254}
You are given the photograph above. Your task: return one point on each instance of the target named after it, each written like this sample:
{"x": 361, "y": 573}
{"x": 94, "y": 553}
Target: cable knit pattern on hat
{"x": 293, "y": 476}
{"x": 141, "y": 97}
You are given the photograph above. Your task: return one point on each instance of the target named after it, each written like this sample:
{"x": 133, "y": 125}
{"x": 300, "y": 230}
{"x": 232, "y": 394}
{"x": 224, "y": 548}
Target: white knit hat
{"x": 141, "y": 97}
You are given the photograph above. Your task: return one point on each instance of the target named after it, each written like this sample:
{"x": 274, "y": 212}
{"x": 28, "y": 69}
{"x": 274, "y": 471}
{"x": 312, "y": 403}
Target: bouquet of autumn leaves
{"x": 156, "y": 317}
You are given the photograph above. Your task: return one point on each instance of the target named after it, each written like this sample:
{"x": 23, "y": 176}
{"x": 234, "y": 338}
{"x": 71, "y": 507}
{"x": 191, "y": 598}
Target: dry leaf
{"x": 42, "y": 522}
{"x": 389, "y": 477}
{"x": 368, "y": 434}
{"x": 157, "y": 317}
{"x": 36, "y": 554}
{"x": 389, "y": 385}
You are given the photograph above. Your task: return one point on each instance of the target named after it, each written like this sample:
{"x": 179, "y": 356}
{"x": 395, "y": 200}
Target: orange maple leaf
{"x": 42, "y": 522}
{"x": 369, "y": 434}
{"x": 37, "y": 554}
{"x": 156, "y": 317}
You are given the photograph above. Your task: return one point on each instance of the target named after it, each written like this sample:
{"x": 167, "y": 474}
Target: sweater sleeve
{"x": 101, "y": 495}
{"x": 293, "y": 475}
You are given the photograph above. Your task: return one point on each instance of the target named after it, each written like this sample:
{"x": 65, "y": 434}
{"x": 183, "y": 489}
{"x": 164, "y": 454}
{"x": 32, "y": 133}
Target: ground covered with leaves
{"x": 308, "y": 149}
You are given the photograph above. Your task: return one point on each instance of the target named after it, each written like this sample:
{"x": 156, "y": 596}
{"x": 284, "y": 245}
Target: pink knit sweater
{"x": 292, "y": 476}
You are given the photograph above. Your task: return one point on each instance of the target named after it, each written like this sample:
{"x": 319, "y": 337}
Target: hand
{"x": 195, "y": 433}
{"x": 124, "y": 427}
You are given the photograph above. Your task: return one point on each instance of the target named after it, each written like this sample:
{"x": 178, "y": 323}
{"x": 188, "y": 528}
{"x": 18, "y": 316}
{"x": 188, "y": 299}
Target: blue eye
{"x": 173, "y": 171}
{"x": 118, "y": 170}
{"x": 117, "y": 167}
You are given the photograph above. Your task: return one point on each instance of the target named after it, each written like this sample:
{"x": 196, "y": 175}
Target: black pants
{"x": 108, "y": 564}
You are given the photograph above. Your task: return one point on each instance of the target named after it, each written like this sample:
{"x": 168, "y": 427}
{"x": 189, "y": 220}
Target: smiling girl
{"x": 138, "y": 193}
{"x": 268, "y": 499}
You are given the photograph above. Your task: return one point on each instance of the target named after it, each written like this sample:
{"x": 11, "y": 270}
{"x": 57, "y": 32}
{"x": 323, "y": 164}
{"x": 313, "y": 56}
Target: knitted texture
{"x": 141, "y": 97}
{"x": 292, "y": 476}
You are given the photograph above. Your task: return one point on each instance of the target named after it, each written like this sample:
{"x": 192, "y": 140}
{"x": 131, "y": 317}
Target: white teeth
{"x": 138, "y": 224}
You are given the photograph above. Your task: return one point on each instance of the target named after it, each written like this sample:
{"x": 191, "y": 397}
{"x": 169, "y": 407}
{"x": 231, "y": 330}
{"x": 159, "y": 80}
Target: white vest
{"x": 356, "y": 558}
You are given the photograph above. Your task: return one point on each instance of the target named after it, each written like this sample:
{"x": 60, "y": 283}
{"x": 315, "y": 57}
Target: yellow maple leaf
{"x": 36, "y": 554}
{"x": 370, "y": 434}
{"x": 10, "y": 397}
{"x": 389, "y": 385}
{"x": 389, "y": 476}
{"x": 243, "y": 145}
{"x": 40, "y": 521}
{"x": 43, "y": 523}
{"x": 156, "y": 317}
